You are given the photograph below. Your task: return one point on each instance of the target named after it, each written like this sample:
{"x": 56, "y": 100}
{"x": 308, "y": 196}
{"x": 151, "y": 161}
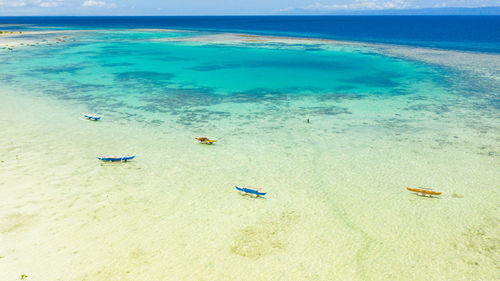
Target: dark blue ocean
{"x": 471, "y": 33}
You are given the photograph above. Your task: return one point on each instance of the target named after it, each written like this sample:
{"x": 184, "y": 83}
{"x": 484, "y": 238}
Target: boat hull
{"x": 425, "y": 192}
{"x": 116, "y": 159}
{"x": 92, "y": 117}
{"x": 250, "y": 191}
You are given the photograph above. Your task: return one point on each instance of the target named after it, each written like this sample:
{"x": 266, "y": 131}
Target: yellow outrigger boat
{"x": 422, "y": 191}
{"x": 205, "y": 140}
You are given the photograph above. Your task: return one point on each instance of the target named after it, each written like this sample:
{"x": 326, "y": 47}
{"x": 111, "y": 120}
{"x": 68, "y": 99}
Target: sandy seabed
{"x": 337, "y": 207}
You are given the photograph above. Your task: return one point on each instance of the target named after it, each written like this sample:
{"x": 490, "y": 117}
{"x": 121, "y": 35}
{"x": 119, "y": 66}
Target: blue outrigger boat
{"x": 252, "y": 192}
{"x": 116, "y": 158}
{"x": 92, "y": 117}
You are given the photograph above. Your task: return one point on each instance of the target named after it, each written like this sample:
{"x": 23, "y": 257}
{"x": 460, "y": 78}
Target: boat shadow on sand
{"x": 416, "y": 195}
{"x": 249, "y": 197}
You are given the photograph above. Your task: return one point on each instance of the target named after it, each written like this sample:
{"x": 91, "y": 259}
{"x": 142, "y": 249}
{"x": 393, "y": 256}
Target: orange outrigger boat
{"x": 205, "y": 140}
{"x": 422, "y": 191}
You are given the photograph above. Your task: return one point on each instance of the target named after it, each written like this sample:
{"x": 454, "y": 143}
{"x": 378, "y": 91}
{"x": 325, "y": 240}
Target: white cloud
{"x": 356, "y": 5}
{"x": 12, "y": 3}
{"x": 30, "y": 3}
{"x": 98, "y": 4}
{"x": 92, "y": 3}
{"x": 50, "y": 4}
{"x": 444, "y": 4}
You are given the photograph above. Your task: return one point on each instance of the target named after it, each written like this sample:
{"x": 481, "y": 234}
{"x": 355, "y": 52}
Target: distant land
{"x": 445, "y": 11}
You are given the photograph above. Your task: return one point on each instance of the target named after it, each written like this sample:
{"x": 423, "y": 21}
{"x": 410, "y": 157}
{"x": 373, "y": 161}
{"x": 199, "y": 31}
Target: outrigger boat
{"x": 115, "y": 158}
{"x": 422, "y": 191}
{"x": 93, "y": 117}
{"x": 205, "y": 140}
{"x": 249, "y": 191}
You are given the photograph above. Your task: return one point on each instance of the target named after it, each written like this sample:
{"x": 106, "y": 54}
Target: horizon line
{"x": 431, "y": 11}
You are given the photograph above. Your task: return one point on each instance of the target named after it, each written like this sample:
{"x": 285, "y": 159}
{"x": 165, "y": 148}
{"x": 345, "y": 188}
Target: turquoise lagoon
{"x": 381, "y": 117}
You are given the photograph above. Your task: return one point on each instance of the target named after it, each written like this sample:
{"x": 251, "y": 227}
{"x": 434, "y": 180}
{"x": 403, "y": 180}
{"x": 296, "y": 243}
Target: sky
{"x": 216, "y": 7}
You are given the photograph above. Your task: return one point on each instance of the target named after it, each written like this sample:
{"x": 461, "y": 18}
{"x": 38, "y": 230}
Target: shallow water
{"x": 381, "y": 118}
